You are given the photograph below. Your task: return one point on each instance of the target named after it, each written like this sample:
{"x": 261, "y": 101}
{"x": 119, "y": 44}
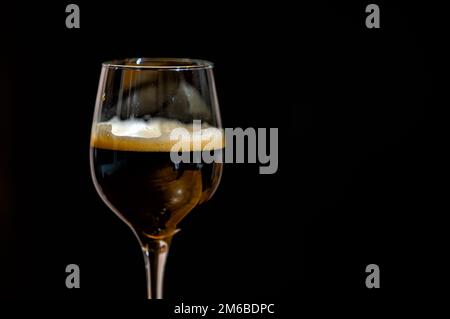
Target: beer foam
{"x": 156, "y": 135}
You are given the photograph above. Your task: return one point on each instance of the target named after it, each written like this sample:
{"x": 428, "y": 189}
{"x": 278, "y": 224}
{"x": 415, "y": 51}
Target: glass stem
{"x": 155, "y": 255}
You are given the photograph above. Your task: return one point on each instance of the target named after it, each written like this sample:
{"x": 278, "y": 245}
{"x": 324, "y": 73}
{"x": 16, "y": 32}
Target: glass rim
{"x": 163, "y": 64}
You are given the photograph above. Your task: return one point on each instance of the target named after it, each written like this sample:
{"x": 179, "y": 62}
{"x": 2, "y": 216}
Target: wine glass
{"x": 135, "y": 159}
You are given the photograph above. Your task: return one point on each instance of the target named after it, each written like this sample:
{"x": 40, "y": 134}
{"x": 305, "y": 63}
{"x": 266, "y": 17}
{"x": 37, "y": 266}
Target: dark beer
{"x": 142, "y": 184}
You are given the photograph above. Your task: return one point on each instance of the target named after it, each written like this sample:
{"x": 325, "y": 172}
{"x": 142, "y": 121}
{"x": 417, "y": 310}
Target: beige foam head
{"x": 156, "y": 135}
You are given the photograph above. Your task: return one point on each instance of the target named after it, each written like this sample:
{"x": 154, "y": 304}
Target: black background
{"x": 358, "y": 164}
